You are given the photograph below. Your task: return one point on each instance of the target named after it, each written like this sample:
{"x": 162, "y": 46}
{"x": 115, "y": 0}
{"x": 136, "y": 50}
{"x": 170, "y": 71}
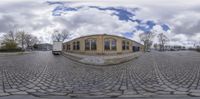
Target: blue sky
{"x": 123, "y": 14}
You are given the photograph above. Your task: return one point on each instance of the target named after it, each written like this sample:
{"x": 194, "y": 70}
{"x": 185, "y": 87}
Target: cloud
{"x": 110, "y": 20}
{"x": 186, "y": 23}
{"x": 179, "y": 20}
{"x": 93, "y": 21}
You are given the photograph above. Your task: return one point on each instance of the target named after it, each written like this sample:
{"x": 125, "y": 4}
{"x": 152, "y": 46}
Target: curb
{"x": 116, "y": 60}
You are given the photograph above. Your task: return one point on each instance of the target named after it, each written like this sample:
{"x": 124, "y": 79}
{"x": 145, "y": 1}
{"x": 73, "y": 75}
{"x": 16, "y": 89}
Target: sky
{"x": 179, "y": 20}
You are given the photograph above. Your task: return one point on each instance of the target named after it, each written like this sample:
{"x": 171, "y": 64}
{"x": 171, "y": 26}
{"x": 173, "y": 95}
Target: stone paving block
{"x": 30, "y": 86}
{"x": 19, "y": 93}
{"x": 160, "y": 74}
{"x": 30, "y": 90}
{"x": 194, "y": 94}
{"x": 58, "y": 93}
{"x": 96, "y": 93}
{"x": 180, "y": 93}
{"x": 123, "y": 88}
{"x": 132, "y": 96}
{"x": 4, "y": 94}
{"x": 77, "y": 95}
{"x": 114, "y": 94}
{"x": 129, "y": 92}
{"x": 11, "y": 90}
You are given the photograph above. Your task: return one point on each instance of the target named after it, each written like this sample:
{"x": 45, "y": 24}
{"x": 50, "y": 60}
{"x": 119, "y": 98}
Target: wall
{"x": 100, "y": 45}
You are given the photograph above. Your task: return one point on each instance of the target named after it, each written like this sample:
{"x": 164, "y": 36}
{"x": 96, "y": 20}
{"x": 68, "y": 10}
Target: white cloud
{"x": 92, "y": 21}
{"x": 36, "y": 17}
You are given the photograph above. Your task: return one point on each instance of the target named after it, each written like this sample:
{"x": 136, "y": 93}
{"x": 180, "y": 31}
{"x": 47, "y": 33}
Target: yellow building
{"x": 102, "y": 44}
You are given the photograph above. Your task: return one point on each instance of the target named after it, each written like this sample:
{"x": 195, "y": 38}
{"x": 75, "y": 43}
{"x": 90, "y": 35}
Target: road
{"x": 154, "y": 74}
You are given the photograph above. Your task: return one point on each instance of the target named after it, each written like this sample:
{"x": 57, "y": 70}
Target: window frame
{"x": 125, "y": 45}
{"x": 106, "y": 44}
{"x": 74, "y": 45}
{"x": 110, "y": 46}
{"x": 68, "y": 46}
{"x": 77, "y": 45}
{"x": 89, "y": 44}
{"x": 113, "y": 48}
{"x": 93, "y": 41}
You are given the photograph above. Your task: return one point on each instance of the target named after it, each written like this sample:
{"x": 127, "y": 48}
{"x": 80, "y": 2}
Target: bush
{"x": 10, "y": 46}
{"x": 11, "y": 50}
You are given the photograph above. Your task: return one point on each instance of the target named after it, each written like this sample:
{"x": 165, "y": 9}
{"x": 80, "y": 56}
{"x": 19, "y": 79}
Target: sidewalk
{"x": 102, "y": 59}
{"x": 12, "y": 53}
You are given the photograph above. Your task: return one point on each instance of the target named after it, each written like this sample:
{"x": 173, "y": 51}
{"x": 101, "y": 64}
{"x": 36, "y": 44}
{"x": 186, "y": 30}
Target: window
{"x": 93, "y": 45}
{"x": 76, "y": 45}
{"x": 114, "y": 44}
{"x": 68, "y": 46}
{"x": 107, "y": 44}
{"x": 87, "y": 45}
{"x": 110, "y": 44}
{"x": 63, "y": 46}
{"x": 125, "y": 45}
{"x": 138, "y": 49}
{"x": 90, "y": 44}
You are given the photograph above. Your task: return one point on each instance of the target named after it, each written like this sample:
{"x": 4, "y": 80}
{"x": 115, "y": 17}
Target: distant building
{"x": 174, "y": 48}
{"x": 102, "y": 44}
{"x": 43, "y": 47}
{"x": 0, "y": 43}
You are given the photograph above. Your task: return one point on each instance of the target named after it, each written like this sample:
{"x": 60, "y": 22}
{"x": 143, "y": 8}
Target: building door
{"x": 134, "y": 49}
{"x": 138, "y": 48}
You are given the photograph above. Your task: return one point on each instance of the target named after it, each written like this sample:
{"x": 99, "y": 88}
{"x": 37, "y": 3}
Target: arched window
{"x": 110, "y": 44}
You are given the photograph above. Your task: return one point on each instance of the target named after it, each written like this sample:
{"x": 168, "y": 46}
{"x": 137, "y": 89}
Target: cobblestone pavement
{"x": 151, "y": 75}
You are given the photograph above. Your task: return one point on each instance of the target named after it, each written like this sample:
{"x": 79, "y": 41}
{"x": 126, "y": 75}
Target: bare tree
{"x": 21, "y": 36}
{"x": 11, "y": 35}
{"x": 9, "y": 40}
{"x": 162, "y": 40}
{"x": 60, "y": 36}
{"x": 31, "y": 40}
{"x": 146, "y": 38}
{"x": 25, "y": 39}
{"x": 155, "y": 46}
